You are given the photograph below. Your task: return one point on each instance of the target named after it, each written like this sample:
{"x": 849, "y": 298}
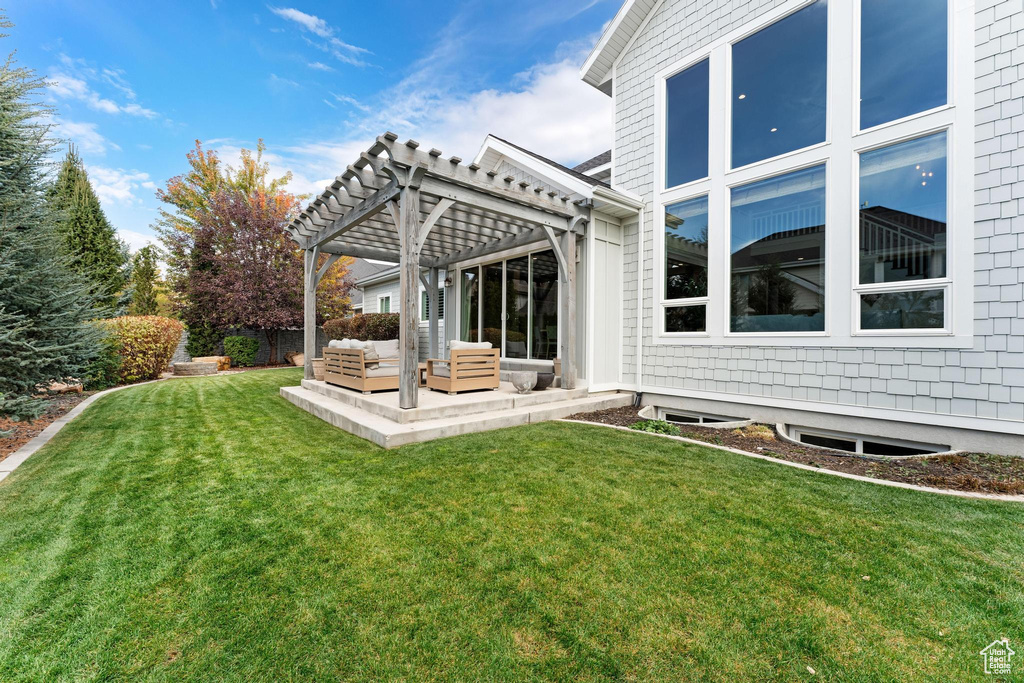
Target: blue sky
{"x": 135, "y": 83}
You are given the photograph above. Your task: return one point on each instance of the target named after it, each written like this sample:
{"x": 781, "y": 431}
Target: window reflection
{"x": 494, "y": 278}
{"x": 919, "y": 310}
{"x": 686, "y": 126}
{"x": 686, "y": 249}
{"x": 779, "y": 87}
{"x": 517, "y": 306}
{"x": 686, "y": 319}
{"x": 778, "y": 254}
{"x": 903, "y": 211}
{"x": 545, "y": 305}
{"x": 470, "y": 317}
{"x": 903, "y": 58}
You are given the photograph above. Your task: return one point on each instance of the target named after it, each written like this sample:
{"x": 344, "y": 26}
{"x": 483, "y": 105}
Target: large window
{"x": 779, "y": 87}
{"x": 903, "y": 234}
{"x": 816, "y": 179}
{"x": 778, "y": 254}
{"x": 513, "y": 304}
{"x": 686, "y": 126}
{"x": 903, "y": 46}
{"x": 686, "y": 265}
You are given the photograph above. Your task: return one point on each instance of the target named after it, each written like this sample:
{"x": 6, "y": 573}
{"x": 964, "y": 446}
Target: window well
{"x": 863, "y": 445}
{"x": 687, "y": 417}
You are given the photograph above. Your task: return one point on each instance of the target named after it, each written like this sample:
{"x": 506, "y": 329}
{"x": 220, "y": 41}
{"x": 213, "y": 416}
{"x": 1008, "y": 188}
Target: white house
{"x": 831, "y": 236}
{"x": 809, "y": 216}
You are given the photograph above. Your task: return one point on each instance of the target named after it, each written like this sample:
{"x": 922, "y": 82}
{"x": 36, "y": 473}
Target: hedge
{"x": 241, "y": 350}
{"x": 365, "y": 327}
{"x": 144, "y": 343}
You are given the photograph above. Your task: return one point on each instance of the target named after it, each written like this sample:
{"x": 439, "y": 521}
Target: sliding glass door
{"x": 517, "y": 307}
{"x": 470, "y": 318}
{"x": 513, "y": 304}
{"x": 492, "y": 304}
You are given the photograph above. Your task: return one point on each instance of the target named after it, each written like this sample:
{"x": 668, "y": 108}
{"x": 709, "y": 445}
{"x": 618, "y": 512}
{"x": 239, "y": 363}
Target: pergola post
{"x": 309, "y": 311}
{"x": 432, "y": 310}
{"x": 567, "y": 266}
{"x": 409, "y": 271}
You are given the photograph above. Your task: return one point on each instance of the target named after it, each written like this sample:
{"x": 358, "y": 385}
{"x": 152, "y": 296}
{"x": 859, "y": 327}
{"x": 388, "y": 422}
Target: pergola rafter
{"x": 400, "y": 204}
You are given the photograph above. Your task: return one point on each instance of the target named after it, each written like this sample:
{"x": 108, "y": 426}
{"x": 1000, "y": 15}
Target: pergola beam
{"x": 367, "y": 208}
{"x": 439, "y": 212}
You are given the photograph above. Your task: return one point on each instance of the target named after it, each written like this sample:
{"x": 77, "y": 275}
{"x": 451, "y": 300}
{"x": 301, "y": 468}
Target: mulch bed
{"x": 967, "y": 472}
{"x": 20, "y": 433}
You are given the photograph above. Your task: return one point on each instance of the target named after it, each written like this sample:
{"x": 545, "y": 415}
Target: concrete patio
{"x": 378, "y": 417}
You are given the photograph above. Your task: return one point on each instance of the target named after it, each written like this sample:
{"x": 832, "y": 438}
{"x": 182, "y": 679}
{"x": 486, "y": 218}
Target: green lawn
{"x": 206, "y": 528}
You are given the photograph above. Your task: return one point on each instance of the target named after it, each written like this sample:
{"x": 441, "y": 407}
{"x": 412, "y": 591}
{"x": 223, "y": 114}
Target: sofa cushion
{"x": 384, "y": 371}
{"x": 336, "y": 343}
{"x": 441, "y": 371}
{"x": 387, "y": 349}
{"x": 456, "y": 345}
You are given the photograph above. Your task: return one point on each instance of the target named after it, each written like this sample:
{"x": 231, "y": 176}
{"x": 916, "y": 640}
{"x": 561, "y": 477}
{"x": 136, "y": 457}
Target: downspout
{"x": 640, "y": 303}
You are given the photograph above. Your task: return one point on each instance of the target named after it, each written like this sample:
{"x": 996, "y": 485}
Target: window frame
{"x": 380, "y": 303}
{"x": 840, "y": 154}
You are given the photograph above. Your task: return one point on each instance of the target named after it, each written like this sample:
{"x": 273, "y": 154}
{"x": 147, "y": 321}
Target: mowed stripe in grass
{"x": 207, "y": 529}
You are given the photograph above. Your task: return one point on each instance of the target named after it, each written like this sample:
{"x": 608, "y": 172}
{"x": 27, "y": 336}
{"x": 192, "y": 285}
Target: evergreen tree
{"x": 87, "y": 237}
{"x": 44, "y": 307}
{"x": 143, "y": 282}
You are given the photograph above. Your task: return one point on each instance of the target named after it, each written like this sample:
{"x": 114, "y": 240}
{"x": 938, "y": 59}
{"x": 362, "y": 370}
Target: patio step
{"x": 390, "y": 434}
{"x": 435, "y": 405}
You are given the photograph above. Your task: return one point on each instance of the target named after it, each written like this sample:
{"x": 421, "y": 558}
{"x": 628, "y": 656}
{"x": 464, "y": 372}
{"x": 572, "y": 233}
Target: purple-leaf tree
{"x": 248, "y": 273}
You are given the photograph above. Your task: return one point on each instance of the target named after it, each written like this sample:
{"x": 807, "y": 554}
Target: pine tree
{"x": 87, "y": 237}
{"x": 143, "y": 282}
{"x": 45, "y": 308}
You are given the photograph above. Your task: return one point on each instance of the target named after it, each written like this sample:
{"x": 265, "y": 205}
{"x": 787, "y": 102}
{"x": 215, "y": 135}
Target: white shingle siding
{"x": 984, "y": 381}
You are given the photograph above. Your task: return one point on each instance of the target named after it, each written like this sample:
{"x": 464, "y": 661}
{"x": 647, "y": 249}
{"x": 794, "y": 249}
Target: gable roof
{"x": 575, "y": 172}
{"x": 598, "y": 68}
{"x": 598, "y": 161}
{"x": 358, "y": 270}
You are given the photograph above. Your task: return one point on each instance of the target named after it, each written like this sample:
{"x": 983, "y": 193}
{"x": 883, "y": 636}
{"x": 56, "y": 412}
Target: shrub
{"x": 242, "y": 350}
{"x": 105, "y": 369}
{"x": 338, "y": 328}
{"x": 381, "y": 326}
{"x": 203, "y": 340}
{"x": 655, "y": 427}
{"x": 365, "y": 327}
{"x": 145, "y": 344}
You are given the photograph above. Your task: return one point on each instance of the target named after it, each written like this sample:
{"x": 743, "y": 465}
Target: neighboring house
{"x": 380, "y": 294}
{"x": 359, "y": 269}
{"x": 831, "y": 235}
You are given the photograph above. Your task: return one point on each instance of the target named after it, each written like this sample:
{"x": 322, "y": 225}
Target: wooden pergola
{"x": 399, "y": 204}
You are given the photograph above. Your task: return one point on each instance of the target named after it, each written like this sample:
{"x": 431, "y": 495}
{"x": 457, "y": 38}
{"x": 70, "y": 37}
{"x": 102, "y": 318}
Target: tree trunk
{"x": 272, "y": 343}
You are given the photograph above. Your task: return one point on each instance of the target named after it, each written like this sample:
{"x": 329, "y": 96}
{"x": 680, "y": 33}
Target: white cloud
{"x": 330, "y": 43}
{"x": 550, "y": 111}
{"x": 85, "y": 136}
{"x": 136, "y": 240}
{"x": 278, "y": 83}
{"x": 345, "y": 99}
{"x": 320, "y": 66}
{"x": 73, "y": 83}
{"x": 116, "y": 186}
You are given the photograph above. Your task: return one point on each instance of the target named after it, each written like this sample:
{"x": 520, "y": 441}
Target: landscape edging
{"x": 846, "y": 475}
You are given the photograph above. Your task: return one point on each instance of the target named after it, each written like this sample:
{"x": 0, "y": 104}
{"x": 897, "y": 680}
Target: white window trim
{"x": 380, "y": 302}
{"x": 840, "y": 155}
